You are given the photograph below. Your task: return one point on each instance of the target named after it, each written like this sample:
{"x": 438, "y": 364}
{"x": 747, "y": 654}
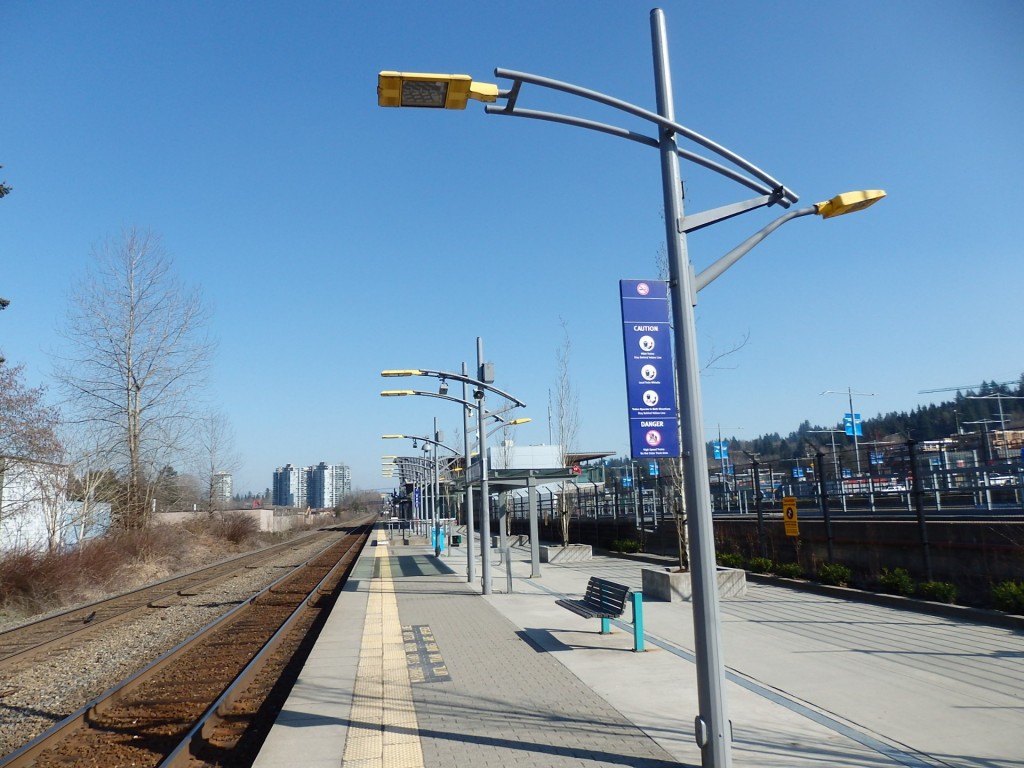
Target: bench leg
{"x": 606, "y": 626}
{"x": 638, "y": 621}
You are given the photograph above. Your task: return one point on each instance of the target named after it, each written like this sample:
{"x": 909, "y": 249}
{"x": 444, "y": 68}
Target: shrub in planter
{"x": 730, "y": 560}
{"x": 789, "y": 570}
{"x": 1009, "y": 596}
{"x": 834, "y": 574}
{"x": 761, "y": 565}
{"x": 896, "y": 582}
{"x": 938, "y": 591}
{"x": 625, "y": 545}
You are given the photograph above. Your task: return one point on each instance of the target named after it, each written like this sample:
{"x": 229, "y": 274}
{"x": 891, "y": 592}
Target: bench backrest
{"x": 606, "y": 595}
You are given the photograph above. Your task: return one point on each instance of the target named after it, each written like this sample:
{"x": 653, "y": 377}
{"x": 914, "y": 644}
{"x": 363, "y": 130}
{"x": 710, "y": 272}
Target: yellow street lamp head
{"x": 424, "y": 89}
{"x": 397, "y": 392}
{"x": 391, "y": 437}
{"x": 848, "y": 202}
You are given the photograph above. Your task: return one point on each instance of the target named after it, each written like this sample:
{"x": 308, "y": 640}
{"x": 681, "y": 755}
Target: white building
{"x": 34, "y": 510}
{"x": 222, "y": 482}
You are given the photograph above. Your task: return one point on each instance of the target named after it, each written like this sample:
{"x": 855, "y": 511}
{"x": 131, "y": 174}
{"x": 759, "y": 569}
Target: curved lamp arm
{"x": 454, "y": 377}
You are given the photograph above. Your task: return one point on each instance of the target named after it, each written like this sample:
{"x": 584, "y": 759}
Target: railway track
{"x": 210, "y": 699}
{"x": 22, "y": 643}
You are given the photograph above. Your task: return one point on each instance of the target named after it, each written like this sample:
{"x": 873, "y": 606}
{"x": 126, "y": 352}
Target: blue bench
{"x": 606, "y": 600}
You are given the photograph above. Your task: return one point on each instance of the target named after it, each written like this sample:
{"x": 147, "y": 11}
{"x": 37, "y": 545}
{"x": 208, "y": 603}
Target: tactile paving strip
{"x": 383, "y": 732}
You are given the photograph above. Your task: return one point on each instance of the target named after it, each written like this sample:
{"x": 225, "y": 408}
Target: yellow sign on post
{"x": 789, "y": 515}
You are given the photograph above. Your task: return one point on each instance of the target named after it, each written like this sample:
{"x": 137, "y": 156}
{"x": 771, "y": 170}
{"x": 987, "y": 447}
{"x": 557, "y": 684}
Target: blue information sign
{"x": 852, "y": 424}
{"x": 650, "y": 373}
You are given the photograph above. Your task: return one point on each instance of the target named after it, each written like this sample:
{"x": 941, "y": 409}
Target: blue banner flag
{"x": 852, "y": 425}
{"x": 650, "y": 372}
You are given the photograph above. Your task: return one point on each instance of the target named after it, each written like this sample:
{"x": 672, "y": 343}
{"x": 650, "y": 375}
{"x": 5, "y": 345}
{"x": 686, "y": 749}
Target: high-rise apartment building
{"x": 221, "y": 490}
{"x": 290, "y": 486}
{"x": 342, "y": 481}
{"x": 319, "y": 487}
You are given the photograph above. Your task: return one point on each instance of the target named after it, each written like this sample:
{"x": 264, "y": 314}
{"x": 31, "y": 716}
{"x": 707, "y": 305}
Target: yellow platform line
{"x": 383, "y": 732}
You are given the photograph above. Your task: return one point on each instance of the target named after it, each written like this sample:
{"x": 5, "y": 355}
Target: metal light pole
{"x": 853, "y": 417}
{"x": 430, "y": 481}
{"x": 481, "y": 385}
{"x": 712, "y": 723}
{"x": 480, "y": 395}
{"x": 403, "y": 89}
{"x": 437, "y": 488}
{"x": 466, "y": 405}
{"x": 470, "y": 528}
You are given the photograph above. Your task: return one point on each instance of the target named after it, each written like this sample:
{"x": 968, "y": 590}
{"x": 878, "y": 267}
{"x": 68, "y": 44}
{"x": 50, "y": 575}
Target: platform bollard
{"x": 638, "y": 621}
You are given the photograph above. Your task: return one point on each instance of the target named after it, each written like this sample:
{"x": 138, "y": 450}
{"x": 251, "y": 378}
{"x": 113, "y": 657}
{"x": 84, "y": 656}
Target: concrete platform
{"x": 416, "y": 668}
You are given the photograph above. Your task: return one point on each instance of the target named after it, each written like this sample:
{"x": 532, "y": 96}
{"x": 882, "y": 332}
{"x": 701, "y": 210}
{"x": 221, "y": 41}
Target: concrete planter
{"x": 671, "y": 585}
{"x": 574, "y": 553}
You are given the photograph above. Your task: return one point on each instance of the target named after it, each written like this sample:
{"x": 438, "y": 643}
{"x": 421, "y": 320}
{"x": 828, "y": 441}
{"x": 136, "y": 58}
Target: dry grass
{"x": 37, "y": 582}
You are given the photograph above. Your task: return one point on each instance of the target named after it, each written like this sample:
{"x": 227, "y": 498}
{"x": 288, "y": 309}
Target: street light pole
{"x": 467, "y": 456}
{"x": 437, "y": 488}
{"x": 401, "y": 89}
{"x": 481, "y": 385}
{"x": 480, "y": 395}
{"x": 853, "y": 417}
{"x": 712, "y": 722}
{"x": 470, "y": 528}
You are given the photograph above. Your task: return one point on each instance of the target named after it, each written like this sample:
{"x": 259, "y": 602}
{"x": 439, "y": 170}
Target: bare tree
{"x": 567, "y": 423}
{"x": 30, "y": 449}
{"x": 137, "y": 355}
{"x": 215, "y": 454}
{"x": 675, "y": 466}
{"x": 672, "y": 469}
{"x": 49, "y": 484}
{"x": 28, "y": 426}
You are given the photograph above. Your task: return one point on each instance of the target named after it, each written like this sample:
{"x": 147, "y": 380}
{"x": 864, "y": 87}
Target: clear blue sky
{"x": 334, "y": 239}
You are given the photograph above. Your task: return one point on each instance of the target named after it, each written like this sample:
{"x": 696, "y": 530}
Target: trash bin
{"x": 456, "y": 540}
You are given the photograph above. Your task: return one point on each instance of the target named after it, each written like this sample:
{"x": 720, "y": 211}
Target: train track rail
{"x": 207, "y": 700}
{"x": 20, "y": 644}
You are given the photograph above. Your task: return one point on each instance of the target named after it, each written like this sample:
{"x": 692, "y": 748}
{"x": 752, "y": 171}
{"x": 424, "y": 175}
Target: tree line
{"x": 969, "y": 414}
{"x": 971, "y": 411}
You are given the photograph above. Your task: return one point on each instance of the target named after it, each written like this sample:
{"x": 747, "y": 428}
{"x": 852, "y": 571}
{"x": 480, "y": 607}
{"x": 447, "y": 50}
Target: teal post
{"x": 638, "y": 621}
{"x": 606, "y": 626}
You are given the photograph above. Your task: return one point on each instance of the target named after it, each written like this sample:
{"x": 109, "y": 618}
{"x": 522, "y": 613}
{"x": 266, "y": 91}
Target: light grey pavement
{"x": 813, "y": 680}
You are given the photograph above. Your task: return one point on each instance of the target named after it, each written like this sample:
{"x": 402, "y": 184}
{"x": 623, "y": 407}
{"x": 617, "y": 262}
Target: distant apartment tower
{"x": 319, "y": 487}
{"x": 342, "y": 480}
{"x": 322, "y": 494}
{"x": 221, "y": 490}
{"x": 290, "y": 486}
